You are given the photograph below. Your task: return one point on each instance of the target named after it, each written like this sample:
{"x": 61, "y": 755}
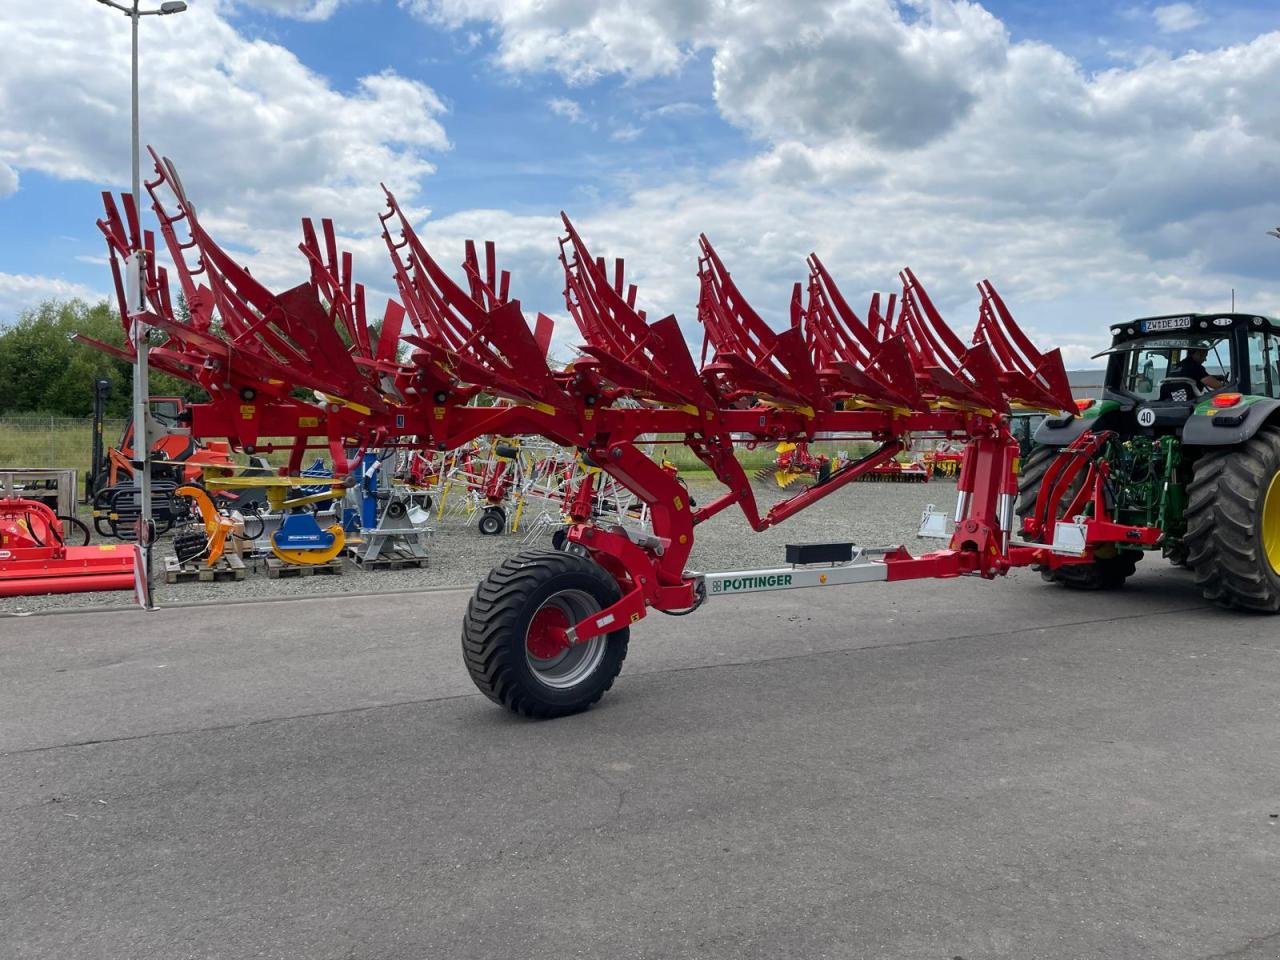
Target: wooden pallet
{"x": 395, "y": 560}
{"x": 228, "y": 567}
{"x": 277, "y": 569}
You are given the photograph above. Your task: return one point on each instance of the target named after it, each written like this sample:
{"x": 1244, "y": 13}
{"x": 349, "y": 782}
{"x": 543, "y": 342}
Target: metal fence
{"x": 32, "y": 441}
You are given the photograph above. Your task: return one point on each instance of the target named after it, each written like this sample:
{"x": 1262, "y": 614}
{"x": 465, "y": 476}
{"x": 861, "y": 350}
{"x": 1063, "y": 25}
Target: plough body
{"x": 471, "y": 365}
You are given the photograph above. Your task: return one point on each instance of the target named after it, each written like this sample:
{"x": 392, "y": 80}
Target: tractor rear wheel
{"x": 1233, "y": 524}
{"x": 1110, "y": 567}
{"x": 513, "y": 641}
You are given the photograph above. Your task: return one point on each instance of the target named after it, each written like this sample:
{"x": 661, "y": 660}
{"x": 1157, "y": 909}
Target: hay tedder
{"x": 546, "y": 631}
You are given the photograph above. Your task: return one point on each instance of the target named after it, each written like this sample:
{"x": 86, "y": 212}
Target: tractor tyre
{"x": 1233, "y": 524}
{"x": 492, "y": 522}
{"x": 512, "y": 636}
{"x": 1034, "y": 468}
{"x": 1107, "y": 572}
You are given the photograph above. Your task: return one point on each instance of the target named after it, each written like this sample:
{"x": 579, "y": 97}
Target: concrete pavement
{"x": 931, "y": 770}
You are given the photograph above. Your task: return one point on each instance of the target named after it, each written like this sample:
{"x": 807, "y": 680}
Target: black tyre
{"x": 1110, "y": 567}
{"x": 493, "y": 521}
{"x": 1233, "y": 524}
{"x": 512, "y": 641}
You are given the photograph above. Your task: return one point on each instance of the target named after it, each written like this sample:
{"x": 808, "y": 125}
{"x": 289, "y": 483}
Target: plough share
{"x": 546, "y": 632}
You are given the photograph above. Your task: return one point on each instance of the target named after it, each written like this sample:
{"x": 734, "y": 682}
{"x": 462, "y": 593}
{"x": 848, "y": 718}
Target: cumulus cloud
{"x": 582, "y": 41}
{"x": 817, "y": 70}
{"x": 20, "y": 291}
{"x": 260, "y": 139}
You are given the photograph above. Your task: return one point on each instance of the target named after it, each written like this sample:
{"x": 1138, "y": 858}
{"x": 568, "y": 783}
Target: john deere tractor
{"x": 1180, "y": 454}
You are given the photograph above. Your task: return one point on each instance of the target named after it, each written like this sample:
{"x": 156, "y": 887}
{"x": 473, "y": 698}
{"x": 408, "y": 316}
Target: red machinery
{"x": 34, "y": 557}
{"x": 547, "y": 631}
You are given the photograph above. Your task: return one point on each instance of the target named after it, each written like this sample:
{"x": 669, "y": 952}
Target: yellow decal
{"x": 588, "y": 414}
{"x": 635, "y": 617}
{"x": 248, "y": 411}
{"x": 679, "y": 503}
{"x": 439, "y": 412}
{"x": 308, "y": 421}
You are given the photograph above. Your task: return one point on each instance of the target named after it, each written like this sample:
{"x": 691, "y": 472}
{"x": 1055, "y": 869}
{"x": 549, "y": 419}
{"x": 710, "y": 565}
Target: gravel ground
{"x": 871, "y": 514}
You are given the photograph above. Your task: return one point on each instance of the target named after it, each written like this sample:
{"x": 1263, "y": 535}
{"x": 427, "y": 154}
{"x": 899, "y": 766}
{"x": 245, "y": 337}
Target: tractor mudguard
{"x": 1230, "y": 426}
{"x": 1060, "y": 431}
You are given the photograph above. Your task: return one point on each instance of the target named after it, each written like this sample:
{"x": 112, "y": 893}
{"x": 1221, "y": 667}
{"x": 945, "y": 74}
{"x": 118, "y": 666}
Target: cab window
{"x": 1264, "y": 364}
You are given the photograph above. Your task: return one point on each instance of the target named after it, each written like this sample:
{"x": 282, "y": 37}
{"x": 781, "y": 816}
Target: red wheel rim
{"x": 546, "y": 638}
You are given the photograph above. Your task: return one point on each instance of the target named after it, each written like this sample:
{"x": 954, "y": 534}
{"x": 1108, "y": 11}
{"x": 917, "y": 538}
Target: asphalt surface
{"x": 941, "y": 770}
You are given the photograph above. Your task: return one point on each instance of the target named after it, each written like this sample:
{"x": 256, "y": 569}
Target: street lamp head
{"x": 173, "y": 6}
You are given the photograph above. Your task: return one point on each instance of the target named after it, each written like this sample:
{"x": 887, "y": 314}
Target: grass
{"x": 35, "y": 442}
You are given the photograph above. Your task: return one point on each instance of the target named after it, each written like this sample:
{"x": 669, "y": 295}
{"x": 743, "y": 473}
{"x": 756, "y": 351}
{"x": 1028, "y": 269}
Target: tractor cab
{"x": 1166, "y": 373}
{"x": 1162, "y": 370}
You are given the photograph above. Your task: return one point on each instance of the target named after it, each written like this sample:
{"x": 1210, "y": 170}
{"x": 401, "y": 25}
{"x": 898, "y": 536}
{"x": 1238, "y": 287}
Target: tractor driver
{"x": 1192, "y": 367}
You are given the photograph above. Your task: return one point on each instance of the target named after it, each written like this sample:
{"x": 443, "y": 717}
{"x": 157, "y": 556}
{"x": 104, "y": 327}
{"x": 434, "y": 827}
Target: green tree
{"x": 43, "y": 371}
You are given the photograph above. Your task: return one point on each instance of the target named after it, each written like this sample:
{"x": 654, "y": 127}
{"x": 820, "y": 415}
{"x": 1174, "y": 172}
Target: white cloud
{"x": 582, "y": 41}
{"x": 681, "y": 108}
{"x": 1176, "y": 17}
{"x": 19, "y": 292}
{"x": 822, "y": 69}
{"x": 626, "y": 133}
{"x": 296, "y": 9}
{"x": 260, "y": 139}
{"x": 571, "y": 110}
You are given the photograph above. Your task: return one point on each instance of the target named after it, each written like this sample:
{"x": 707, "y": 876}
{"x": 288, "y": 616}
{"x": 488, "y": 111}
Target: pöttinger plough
{"x": 546, "y": 631}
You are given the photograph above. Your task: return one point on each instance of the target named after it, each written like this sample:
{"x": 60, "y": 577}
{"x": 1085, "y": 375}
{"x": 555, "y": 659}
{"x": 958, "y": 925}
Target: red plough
{"x": 546, "y": 632}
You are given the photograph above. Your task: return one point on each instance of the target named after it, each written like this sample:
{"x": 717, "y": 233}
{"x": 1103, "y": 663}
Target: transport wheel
{"x": 1233, "y": 524}
{"x": 513, "y": 641}
{"x": 75, "y": 532}
{"x": 1110, "y": 567}
{"x": 493, "y": 521}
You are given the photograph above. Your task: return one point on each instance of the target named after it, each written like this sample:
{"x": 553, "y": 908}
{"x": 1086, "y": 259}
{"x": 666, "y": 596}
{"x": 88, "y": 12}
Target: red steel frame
{"x": 901, "y": 374}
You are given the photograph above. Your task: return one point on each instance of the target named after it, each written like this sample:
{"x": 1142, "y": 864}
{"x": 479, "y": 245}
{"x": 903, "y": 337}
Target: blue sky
{"x": 1094, "y": 159}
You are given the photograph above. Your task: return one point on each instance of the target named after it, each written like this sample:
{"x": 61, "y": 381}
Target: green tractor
{"x": 1181, "y": 454}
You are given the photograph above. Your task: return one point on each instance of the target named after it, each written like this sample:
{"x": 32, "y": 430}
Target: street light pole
{"x": 136, "y": 304}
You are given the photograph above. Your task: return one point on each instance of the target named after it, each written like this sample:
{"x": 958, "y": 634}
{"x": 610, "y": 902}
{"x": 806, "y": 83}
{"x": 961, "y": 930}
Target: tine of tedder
{"x": 389, "y": 335}
{"x": 131, "y": 219}
{"x": 112, "y": 227}
{"x": 362, "y": 319}
{"x": 490, "y": 266}
{"x": 471, "y": 267}
{"x": 346, "y": 273}
{"x": 330, "y": 247}
{"x": 544, "y": 326}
